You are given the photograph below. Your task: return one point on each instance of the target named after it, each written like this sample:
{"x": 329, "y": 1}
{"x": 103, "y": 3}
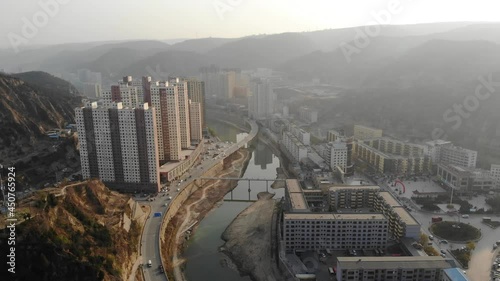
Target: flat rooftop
{"x": 389, "y": 199}
{"x": 405, "y": 216}
{"x": 169, "y": 166}
{"x": 326, "y": 216}
{"x": 293, "y": 186}
{"x": 438, "y": 142}
{"x": 311, "y": 191}
{"x": 366, "y": 127}
{"x": 298, "y": 201}
{"x": 354, "y": 187}
{"x": 391, "y": 263}
{"x": 455, "y": 274}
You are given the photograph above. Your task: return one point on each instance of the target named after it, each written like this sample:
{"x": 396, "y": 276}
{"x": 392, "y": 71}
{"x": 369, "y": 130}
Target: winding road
{"x": 150, "y": 242}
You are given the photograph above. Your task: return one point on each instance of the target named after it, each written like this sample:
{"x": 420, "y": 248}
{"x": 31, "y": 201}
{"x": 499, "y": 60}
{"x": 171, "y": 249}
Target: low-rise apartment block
{"x": 433, "y": 149}
{"x": 315, "y": 231}
{"x": 352, "y": 197}
{"x": 389, "y": 163}
{"x": 459, "y": 156}
{"x": 360, "y": 217}
{"x": 295, "y": 149}
{"x": 362, "y": 132}
{"x": 308, "y": 114}
{"x": 391, "y": 268}
{"x": 396, "y": 147}
{"x": 333, "y": 135}
{"x": 401, "y": 223}
{"x": 495, "y": 174}
{"x": 303, "y": 136}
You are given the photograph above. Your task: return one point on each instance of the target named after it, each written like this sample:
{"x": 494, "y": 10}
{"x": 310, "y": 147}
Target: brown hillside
{"x": 81, "y": 232}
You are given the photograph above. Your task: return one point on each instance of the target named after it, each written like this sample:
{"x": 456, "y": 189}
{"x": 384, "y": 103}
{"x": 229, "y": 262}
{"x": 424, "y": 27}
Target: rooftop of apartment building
{"x": 465, "y": 171}
{"x": 458, "y": 148}
{"x": 389, "y": 199}
{"x": 437, "y": 142}
{"x": 298, "y": 201}
{"x": 380, "y": 263}
{"x": 455, "y": 274}
{"x": 388, "y": 155}
{"x": 295, "y": 140}
{"x": 293, "y": 186}
{"x": 353, "y": 187}
{"x": 117, "y": 105}
{"x": 169, "y": 166}
{"x": 366, "y": 127}
{"x": 338, "y": 144}
{"x": 331, "y": 216}
{"x": 405, "y": 216}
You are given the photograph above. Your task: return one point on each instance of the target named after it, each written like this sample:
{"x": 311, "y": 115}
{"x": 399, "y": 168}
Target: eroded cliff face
{"x": 80, "y": 232}
{"x": 29, "y": 109}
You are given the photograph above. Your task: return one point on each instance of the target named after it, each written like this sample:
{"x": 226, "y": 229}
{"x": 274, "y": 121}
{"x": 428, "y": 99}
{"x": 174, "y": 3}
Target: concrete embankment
{"x": 192, "y": 204}
{"x": 248, "y": 240}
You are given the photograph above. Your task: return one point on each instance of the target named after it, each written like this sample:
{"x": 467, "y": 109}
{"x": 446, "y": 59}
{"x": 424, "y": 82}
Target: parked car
{"x": 443, "y": 242}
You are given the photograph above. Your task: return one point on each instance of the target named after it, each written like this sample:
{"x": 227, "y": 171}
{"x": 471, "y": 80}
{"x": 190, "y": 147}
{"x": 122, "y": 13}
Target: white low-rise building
{"x": 315, "y": 231}
{"x": 495, "y": 174}
{"x": 391, "y": 268}
{"x": 459, "y": 156}
{"x": 296, "y": 150}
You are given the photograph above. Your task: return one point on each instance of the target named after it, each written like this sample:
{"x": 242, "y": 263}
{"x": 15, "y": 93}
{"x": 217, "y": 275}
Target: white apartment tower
{"x": 459, "y": 156}
{"x": 338, "y": 156}
{"x": 261, "y": 102}
{"x": 119, "y": 146}
{"x": 433, "y": 149}
{"x": 495, "y": 174}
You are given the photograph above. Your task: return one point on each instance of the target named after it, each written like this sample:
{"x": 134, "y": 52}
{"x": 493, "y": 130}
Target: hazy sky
{"x": 96, "y": 20}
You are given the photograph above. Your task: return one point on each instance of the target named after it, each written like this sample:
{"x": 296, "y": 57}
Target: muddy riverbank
{"x": 195, "y": 208}
{"x": 249, "y": 239}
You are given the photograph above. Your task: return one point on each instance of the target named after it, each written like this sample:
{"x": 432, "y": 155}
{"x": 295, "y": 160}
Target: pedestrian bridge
{"x": 236, "y": 194}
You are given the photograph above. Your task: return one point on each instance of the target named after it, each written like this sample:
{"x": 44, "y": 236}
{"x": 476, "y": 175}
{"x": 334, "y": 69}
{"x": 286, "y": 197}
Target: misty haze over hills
{"x": 389, "y": 81}
{"x": 247, "y": 52}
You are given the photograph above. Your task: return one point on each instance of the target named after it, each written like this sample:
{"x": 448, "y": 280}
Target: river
{"x": 204, "y": 261}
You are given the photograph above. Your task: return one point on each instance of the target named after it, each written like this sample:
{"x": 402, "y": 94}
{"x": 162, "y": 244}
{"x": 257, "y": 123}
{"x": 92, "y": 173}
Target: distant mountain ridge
{"x": 273, "y": 50}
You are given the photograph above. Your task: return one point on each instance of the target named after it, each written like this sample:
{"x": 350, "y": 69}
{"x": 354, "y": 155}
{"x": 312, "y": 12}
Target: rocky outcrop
{"x": 75, "y": 233}
{"x": 29, "y": 109}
